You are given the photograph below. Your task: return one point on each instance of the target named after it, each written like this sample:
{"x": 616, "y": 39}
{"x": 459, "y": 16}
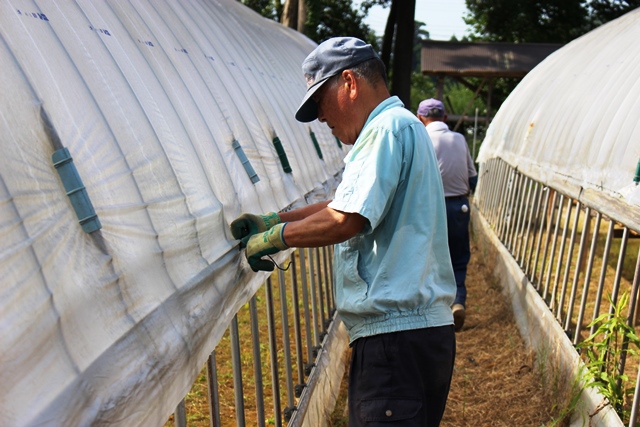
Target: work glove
{"x": 249, "y": 224}
{"x": 263, "y": 244}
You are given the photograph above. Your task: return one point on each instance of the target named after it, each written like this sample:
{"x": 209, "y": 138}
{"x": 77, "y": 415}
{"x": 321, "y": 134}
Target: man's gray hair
{"x": 373, "y": 71}
{"x": 436, "y": 113}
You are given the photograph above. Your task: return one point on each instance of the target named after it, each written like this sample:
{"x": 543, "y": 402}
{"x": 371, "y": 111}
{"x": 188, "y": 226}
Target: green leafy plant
{"x": 605, "y": 352}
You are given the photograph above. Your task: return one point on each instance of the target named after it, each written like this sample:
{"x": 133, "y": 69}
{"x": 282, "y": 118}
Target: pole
{"x": 475, "y": 132}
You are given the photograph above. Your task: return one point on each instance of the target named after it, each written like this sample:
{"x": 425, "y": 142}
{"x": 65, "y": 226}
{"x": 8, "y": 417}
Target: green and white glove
{"x": 249, "y": 224}
{"x": 262, "y": 244}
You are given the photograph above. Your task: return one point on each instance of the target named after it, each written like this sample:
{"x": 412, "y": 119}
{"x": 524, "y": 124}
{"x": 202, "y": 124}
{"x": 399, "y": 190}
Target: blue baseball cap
{"x": 327, "y": 60}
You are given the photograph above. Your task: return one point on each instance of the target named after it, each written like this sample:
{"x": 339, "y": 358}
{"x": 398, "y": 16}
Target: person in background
{"x": 459, "y": 178}
{"x": 394, "y": 284}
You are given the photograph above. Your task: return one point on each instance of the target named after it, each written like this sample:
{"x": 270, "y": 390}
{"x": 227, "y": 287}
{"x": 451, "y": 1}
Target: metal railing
{"x": 579, "y": 260}
{"x": 258, "y": 373}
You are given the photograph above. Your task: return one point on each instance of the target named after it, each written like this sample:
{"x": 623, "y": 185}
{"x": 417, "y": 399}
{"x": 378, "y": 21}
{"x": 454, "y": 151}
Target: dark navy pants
{"x": 401, "y": 378}
{"x": 458, "y": 230}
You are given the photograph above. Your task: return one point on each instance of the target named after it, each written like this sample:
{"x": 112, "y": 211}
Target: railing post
{"x": 308, "y": 327}
{"x": 587, "y": 277}
{"x": 527, "y": 249}
{"x": 273, "y": 352}
{"x": 214, "y": 394}
{"x": 286, "y": 345}
{"x": 296, "y": 327}
{"x": 181, "y": 415}
{"x": 552, "y": 254}
{"x": 546, "y": 220}
{"x": 616, "y": 281}
{"x": 257, "y": 361}
{"x": 237, "y": 372}
{"x": 321, "y": 296}
{"x": 576, "y": 274}
{"x": 314, "y": 304}
{"x": 565, "y": 279}
{"x": 603, "y": 274}
{"x": 516, "y": 236}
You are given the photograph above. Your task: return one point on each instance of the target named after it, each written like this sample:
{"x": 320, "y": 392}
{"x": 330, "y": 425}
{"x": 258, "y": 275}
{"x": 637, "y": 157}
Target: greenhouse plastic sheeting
{"x": 574, "y": 120}
{"x": 151, "y": 99}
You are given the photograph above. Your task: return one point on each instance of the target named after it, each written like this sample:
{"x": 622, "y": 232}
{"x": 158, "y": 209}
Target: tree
{"x": 541, "y": 21}
{"x": 268, "y": 8}
{"x": 603, "y": 11}
{"x": 322, "y": 19}
{"x": 422, "y": 87}
{"x": 294, "y": 14}
{"x": 403, "y": 50}
{"x": 526, "y": 21}
{"x": 331, "y": 18}
{"x": 317, "y": 19}
{"x": 398, "y": 44}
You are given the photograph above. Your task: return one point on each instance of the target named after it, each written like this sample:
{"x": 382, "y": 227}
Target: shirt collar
{"x": 433, "y": 126}
{"x": 391, "y": 102}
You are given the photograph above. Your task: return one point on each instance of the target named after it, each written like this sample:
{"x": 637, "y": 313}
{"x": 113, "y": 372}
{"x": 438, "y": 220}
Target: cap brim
{"x": 308, "y": 110}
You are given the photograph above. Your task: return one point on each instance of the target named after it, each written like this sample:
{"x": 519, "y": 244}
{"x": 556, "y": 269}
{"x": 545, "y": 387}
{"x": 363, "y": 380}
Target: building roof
{"x": 482, "y": 59}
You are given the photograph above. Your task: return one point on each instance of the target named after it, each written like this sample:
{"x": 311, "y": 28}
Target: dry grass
{"x": 495, "y": 381}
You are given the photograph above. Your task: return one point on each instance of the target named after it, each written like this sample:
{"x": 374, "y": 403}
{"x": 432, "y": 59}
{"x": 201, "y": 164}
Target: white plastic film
{"x": 573, "y": 121}
{"x": 112, "y": 327}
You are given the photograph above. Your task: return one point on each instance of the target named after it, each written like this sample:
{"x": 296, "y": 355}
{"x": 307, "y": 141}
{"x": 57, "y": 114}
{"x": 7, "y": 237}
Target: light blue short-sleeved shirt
{"x": 396, "y": 274}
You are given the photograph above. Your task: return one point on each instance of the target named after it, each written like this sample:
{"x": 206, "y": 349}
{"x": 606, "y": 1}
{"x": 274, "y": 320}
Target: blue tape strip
{"x": 245, "y": 162}
{"x": 76, "y": 191}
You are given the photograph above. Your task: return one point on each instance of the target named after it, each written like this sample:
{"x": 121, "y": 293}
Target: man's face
{"x": 336, "y": 109}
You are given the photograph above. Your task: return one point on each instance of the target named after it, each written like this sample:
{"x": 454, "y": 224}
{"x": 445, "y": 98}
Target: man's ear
{"x": 350, "y": 83}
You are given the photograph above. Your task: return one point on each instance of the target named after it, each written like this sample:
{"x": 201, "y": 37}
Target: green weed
{"x": 605, "y": 352}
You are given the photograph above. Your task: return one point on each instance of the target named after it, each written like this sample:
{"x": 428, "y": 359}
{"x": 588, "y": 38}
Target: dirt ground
{"x": 495, "y": 380}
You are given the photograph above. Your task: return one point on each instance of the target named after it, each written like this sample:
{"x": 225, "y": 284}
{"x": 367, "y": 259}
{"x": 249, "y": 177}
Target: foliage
{"x": 268, "y": 8}
{"x": 526, "y": 21}
{"x": 541, "y": 21}
{"x": 420, "y": 34}
{"x": 502, "y": 87}
{"x": 605, "y": 349}
{"x": 422, "y": 87}
{"x": 331, "y": 18}
{"x": 368, "y": 4}
{"x": 325, "y": 18}
{"x": 603, "y": 11}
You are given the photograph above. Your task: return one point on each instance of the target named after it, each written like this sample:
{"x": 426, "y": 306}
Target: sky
{"x": 443, "y": 18}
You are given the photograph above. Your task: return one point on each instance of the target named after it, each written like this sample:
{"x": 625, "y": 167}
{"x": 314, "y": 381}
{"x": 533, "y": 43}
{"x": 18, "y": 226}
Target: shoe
{"x": 458, "y": 316}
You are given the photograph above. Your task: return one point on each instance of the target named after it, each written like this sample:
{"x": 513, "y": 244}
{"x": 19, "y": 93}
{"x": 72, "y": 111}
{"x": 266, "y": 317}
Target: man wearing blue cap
{"x": 459, "y": 178}
{"x": 394, "y": 283}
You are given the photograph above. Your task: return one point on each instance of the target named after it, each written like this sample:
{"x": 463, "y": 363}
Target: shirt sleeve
{"x": 370, "y": 177}
{"x": 470, "y": 165}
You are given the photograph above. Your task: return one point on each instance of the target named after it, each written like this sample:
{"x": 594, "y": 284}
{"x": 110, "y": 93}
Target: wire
{"x": 277, "y": 266}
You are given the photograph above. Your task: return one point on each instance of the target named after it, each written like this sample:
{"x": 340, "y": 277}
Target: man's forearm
{"x": 303, "y": 212}
{"x": 325, "y": 227}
